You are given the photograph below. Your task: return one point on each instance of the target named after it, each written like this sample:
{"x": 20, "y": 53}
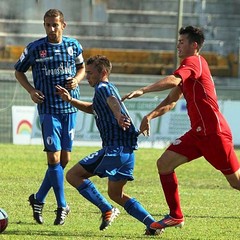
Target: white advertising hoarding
{"x": 163, "y": 129}
{"x": 22, "y": 120}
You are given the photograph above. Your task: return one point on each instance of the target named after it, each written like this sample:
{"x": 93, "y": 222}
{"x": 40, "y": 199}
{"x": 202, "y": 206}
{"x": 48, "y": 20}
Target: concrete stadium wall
{"x": 127, "y": 24}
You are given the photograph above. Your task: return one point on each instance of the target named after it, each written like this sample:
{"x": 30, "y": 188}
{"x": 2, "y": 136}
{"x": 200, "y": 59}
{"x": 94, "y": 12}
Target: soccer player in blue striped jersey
{"x": 115, "y": 160}
{"x": 54, "y": 60}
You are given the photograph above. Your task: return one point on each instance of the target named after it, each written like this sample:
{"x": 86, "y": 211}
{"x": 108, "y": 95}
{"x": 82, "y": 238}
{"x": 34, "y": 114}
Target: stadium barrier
{"x": 26, "y": 127}
{"x": 136, "y": 61}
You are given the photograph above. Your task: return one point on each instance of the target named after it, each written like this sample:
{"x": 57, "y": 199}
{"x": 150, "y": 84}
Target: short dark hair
{"x": 195, "y": 34}
{"x": 101, "y": 62}
{"x": 54, "y": 13}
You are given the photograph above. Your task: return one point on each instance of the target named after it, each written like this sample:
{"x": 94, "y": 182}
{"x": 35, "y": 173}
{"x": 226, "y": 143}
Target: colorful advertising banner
{"x": 163, "y": 129}
{"x": 22, "y": 120}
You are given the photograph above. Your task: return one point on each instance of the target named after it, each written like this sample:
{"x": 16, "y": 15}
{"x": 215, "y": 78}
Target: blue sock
{"x": 56, "y": 177}
{"x": 88, "y": 190}
{"x": 136, "y": 210}
{"x": 44, "y": 189}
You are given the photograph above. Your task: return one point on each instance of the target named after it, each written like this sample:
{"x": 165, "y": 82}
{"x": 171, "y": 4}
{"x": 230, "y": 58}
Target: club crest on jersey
{"x": 49, "y": 140}
{"x": 177, "y": 142}
{"x": 43, "y": 53}
{"x": 70, "y": 51}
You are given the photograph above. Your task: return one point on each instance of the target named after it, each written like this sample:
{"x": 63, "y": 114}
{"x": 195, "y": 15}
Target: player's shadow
{"x": 160, "y": 216}
{"x": 65, "y": 234}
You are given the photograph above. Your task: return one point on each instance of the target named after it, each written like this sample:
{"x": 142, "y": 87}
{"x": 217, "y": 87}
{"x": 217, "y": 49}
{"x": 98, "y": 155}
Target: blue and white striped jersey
{"x": 111, "y": 133}
{"x": 52, "y": 64}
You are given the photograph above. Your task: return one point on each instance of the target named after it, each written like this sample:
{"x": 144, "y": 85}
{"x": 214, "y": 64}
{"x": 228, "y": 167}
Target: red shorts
{"x": 217, "y": 149}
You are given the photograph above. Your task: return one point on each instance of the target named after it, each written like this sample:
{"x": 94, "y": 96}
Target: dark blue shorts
{"x": 58, "y": 131}
{"x": 116, "y": 163}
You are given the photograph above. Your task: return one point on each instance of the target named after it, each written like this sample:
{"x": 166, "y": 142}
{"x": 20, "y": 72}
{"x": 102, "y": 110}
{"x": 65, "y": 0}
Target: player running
{"x": 119, "y": 141}
{"x": 209, "y": 136}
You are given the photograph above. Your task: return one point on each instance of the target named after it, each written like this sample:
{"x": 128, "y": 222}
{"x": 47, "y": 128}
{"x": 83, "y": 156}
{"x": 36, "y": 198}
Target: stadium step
{"x": 133, "y": 61}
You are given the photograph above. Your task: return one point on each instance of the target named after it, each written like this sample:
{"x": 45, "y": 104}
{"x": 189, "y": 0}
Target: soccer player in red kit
{"x": 209, "y": 136}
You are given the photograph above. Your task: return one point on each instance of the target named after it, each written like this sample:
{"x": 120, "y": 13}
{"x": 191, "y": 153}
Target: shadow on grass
{"x": 85, "y": 235}
{"x": 63, "y": 234}
{"x": 194, "y": 216}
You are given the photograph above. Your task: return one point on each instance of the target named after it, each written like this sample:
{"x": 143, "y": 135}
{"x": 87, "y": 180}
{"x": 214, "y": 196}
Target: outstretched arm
{"x": 166, "y": 105}
{"x": 168, "y": 82}
{"x": 81, "y": 105}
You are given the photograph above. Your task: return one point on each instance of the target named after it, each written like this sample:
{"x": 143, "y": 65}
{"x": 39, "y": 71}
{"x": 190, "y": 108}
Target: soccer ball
{"x": 3, "y": 220}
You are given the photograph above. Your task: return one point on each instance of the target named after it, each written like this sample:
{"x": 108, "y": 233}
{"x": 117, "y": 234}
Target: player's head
{"x": 194, "y": 34}
{"x": 54, "y": 13}
{"x": 98, "y": 68}
{"x": 101, "y": 63}
{"x": 54, "y": 25}
{"x": 190, "y": 41}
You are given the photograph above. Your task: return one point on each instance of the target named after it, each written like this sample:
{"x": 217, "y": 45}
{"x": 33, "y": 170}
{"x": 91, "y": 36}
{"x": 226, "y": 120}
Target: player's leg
{"x": 131, "y": 205}
{"x": 65, "y": 130}
{"x": 166, "y": 165}
{"x": 67, "y": 137}
{"x": 223, "y": 157}
{"x": 53, "y": 178}
{"x": 234, "y": 179}
{"x": 56, "y": 176}
{"x": 233, "y": 173}
{"x": 121, "y": 171}
{"x": 78, "y": 176}
{"x": 181, "y": 151}
{"x": 37, "y": 200}
{"x": 55, "y": 130}
{"x": 65, "y": 158}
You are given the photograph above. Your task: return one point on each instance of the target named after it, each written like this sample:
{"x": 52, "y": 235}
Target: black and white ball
{"x": 3, "y": 220}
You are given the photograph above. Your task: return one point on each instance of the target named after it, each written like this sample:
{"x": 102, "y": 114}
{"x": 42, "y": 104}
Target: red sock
{"x": 170, "y": 189}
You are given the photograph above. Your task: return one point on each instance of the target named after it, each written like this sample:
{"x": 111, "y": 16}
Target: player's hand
{"x": 63, "y": 93}
{"x": 145, "y": 126}
{"x": 124, "y": 122}
{"x": 71, "y": 83}
{"x": 37, "y": 96}
{"x": 134, "y": 94}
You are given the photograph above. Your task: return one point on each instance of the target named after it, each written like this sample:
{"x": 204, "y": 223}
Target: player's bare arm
{"x": 168, "y": 82}
{"x": 123, "y": 121}
{"x": 36, "y": 95}
{"x": 81, "y": 105}
{"x": 166, "y": 105}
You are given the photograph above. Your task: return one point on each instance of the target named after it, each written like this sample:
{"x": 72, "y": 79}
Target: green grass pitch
{"x": 211, "y": 207}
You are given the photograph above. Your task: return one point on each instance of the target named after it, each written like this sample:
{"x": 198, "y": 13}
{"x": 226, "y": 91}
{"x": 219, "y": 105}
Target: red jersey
{"x": 199, "y": 91}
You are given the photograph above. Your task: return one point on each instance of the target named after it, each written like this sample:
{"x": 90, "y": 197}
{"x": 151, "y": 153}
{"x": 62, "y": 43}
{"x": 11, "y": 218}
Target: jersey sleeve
{"x": 25, "y": 60}
{"x": 104, "y": 91}
{"x": 79, "y": 58}
{"x": 187, "y": 69}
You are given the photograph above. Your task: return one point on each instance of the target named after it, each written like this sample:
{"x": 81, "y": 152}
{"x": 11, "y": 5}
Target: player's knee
{"x": 234, "y": 180}
{"x": 235, "y": 186}
{"x": 114, "y": 196}
{"x": 72, "y": 178}
{"x": 162, "y": 166}
{"x": 64, "y": 163}
{"x": 68, "y": 177}
{"x": 159, "y": 164}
